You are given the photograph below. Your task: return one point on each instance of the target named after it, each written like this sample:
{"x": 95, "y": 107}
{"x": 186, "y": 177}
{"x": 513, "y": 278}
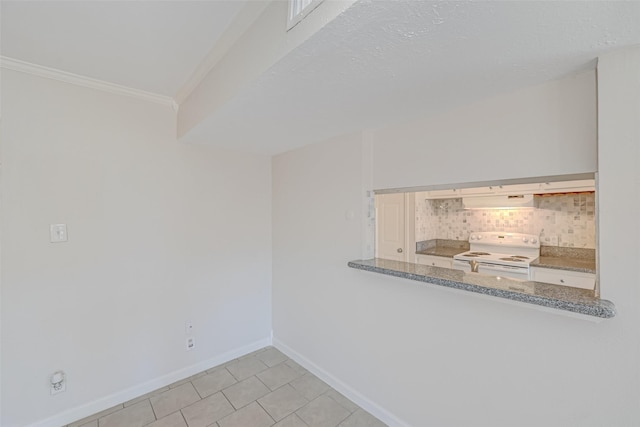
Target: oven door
{"x": 461, "y": 265}
{"x": 512, "y": 272}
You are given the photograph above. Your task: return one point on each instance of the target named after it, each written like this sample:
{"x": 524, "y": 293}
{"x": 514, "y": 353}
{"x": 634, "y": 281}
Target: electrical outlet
{"x": 553, "y": 240}
{"x": 191, "y": 343}
{"x": 188, "y": 327}
{"x": 58, "y": 382}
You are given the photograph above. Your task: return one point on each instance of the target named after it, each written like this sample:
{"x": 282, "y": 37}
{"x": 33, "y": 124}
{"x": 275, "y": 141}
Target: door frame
{"x": 410, "y": 227}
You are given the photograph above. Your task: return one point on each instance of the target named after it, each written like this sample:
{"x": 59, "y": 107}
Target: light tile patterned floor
{"x": 261, "y": 389}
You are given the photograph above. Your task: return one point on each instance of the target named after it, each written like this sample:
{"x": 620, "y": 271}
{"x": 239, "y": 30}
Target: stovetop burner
{"x": 498, "y": 248}
{"x": 513, "y": 258}
{"x": 499, "y": 254}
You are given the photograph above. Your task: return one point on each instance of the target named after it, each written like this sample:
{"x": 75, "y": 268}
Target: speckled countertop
{"x": 440, "y": 251}
{"x": 441, "y": 247}
{"x": 570, "y": 264}
{"x": 558, "y": 258}
{"x": 572, "y": 259}
{"x": 575, "y": 300}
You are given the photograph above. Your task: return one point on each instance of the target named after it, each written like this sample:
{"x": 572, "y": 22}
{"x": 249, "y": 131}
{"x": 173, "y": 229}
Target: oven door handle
{"x": 498, "y": 267}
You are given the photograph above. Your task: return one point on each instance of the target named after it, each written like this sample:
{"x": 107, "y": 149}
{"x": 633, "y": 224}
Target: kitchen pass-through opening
{"x": 539, "y": 229}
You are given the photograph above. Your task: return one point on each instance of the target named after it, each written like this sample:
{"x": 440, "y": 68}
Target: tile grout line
{"x": 253, "y": 358}
{"x": 273, "y": 391}
{"x": 267, "y": 412}
{"x": 196, "y": 389}
{"x": 152, "y": 410}
{"x": 262, "y": 382}
{"x": 228, "y": 401}
{"x": 184, "y": 418}
{"x": 265, "y": 409}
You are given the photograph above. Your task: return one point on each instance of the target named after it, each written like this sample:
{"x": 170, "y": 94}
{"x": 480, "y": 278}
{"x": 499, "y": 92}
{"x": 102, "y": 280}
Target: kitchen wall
{"x": 414, "y": 353}
{"x": 569, "y": 217}
{"x": 543, "y": 130}
{"x": 159, "y": 233}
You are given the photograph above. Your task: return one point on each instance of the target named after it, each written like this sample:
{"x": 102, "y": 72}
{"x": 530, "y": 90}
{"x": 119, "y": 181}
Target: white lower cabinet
{"x": 574, "y": 279}
{"x": 436, "y": 261}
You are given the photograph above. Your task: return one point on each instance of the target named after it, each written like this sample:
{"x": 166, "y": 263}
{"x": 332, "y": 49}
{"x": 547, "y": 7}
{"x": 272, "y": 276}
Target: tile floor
{"x": 264, "y": 388}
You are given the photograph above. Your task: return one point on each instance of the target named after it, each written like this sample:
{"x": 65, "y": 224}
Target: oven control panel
{"x": 514, "y": 240}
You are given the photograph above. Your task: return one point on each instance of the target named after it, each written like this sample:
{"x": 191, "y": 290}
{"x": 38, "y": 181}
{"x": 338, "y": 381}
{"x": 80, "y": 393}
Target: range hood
{"x": 499, "y": 202}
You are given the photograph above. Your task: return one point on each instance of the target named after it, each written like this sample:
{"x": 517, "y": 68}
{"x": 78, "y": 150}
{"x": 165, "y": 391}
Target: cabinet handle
{"x": 561, "y": 280}
{"x": 399, "y": 250}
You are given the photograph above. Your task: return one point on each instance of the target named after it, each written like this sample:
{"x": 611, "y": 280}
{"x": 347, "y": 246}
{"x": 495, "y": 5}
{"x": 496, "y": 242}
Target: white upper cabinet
{"x": 515, "y": 189}
{"x": 450, "y": 193}
{"x": 568, "y": 186}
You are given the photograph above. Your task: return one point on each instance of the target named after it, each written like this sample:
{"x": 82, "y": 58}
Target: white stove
{"x": 499, "y": 254}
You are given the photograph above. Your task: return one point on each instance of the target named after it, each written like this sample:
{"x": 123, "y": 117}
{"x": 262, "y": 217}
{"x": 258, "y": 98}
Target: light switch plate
{"x": 58, "y": 233}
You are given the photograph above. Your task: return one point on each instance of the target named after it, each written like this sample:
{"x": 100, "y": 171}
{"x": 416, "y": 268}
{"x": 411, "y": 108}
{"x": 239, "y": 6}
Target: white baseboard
{"x": 355, "y": 396}
{"x": 114, "y": 399}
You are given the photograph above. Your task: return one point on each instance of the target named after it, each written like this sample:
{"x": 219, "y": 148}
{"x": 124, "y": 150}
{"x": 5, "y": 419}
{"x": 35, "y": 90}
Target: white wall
{"x": 313, "y": 190}
{"x": 544, "y": 130}
{"x": 421, "y": 355}
{"x": 159, "y": 233}
{"x": 265, "y": 42}
{"x": 619, "y": 180}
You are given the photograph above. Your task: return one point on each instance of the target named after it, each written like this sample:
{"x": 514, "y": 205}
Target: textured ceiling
{"x": 384, "y": 61}
{"x": 148, "y": 45}
{"x": 378, "y": 62}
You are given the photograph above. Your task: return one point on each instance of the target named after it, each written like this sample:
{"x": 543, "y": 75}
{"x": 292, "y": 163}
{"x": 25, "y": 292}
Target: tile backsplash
{"x": 569, "y": 217}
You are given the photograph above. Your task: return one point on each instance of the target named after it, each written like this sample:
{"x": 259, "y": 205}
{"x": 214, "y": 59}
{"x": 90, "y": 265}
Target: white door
{"x": 390, "y": 226}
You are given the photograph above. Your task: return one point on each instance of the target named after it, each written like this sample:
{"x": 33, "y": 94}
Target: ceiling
{"x": 386, "y": 61}
{"x": 378, "y": 62}
{"x": 152, "y": 46}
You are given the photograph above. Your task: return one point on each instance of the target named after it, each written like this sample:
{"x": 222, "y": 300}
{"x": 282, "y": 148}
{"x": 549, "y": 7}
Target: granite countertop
{"x": 571, "y": 259}
{"x": 563, "y": 263}
{"x": 440, "y": 251}
{"x": 442, "y": 247}
{"x": 575, "y": 300}
{"x": 558, "y": 258}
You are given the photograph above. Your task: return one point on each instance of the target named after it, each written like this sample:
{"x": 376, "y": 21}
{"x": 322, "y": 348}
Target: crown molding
{"x": 64, "y": 76}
